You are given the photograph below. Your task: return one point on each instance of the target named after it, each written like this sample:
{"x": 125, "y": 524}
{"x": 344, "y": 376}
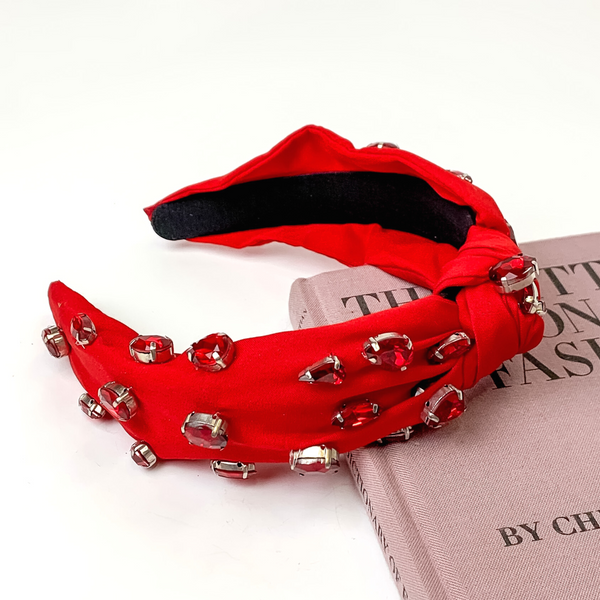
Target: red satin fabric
{"x": 268, "y": 411}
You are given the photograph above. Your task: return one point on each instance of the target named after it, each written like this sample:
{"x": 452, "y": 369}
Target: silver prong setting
{"x": 118, "y": 400}
{"x": 143, "y": 455}
{"x": 205, "y": 430}
{"x": 90, "y": 407}
{"x": 315, "y": 459}
{"x": 55, "y": 341}
{"x": 232, "y": 470}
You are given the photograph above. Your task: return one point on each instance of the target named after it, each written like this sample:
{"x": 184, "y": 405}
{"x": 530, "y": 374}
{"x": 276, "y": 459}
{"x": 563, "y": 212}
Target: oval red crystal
{"x": 451, "y": 406}
{"x": 513, "y": 271}
{"x": 355, "y": 414}
{"x": 452, "y": 347}
{"x": 391, "y": 351}
{"x": 212, "y": 353}
{"x": 445, "y": 404}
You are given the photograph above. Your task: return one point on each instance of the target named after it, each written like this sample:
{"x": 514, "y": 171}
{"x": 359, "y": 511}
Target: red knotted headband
{"x": 256, "y": 409}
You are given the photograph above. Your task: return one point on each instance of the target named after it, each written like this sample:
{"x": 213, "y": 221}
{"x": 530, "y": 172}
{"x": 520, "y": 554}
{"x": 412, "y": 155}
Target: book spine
{"x": 378, "y": 526}
{"x": 300, "y": 315}
{"x": 398, "y": 553}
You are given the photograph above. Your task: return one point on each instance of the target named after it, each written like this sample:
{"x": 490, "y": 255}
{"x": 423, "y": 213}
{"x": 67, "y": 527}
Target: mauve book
{"x": 504, "y": 502}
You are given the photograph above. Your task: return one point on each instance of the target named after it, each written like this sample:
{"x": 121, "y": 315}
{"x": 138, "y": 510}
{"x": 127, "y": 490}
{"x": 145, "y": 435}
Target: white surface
{"x": 106, "y": 107}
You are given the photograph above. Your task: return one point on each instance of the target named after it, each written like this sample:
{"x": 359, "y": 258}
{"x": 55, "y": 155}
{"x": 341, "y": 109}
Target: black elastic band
{"x": 393, "y": 201}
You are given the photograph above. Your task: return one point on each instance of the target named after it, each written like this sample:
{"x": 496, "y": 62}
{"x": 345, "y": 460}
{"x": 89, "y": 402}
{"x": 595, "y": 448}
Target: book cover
{"x": 505, "y": 501}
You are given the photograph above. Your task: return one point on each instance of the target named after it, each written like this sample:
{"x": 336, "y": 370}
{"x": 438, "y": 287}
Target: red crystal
{"x": 107, "y": 397}
{"x": 513, "y": 270}
{"x": 202, "y": 436}
{"x": 390, "y": 351}
{"x": 355, "y": 414}
{"x": 327, "y": 370}
{"x": 115, "y": 403}
{"x": 52, "y": 349}
{"x": 55, "y": 341}
{"x": 143, "y": 455}
{"x": 446, "y": 404}
{"x": 451, "y": 406}
{"x": 83, "y": 330}
{"x": 151, "y": 349}
{"x": 233, "y": 474}
{"x": 198, "y": 430}
{"x": 212, "y": 353}
{"x": 140, "y": 460}
{"x": 231, "y": 470}
{"x": 143, "y": 343}
{"x": 453, "y": 346}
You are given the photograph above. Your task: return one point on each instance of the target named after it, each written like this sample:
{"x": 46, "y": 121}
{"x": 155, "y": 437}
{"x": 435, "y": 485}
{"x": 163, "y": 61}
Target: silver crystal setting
{"x": 402, "y": 435}
{"x": 436, "y": 353}
{"x": 232, "y": 470}
{"x": 428, "y": 413}
{"x": 332, "y": 362}
{"x": 372, "y": 346}
{"x": 461, "y": 175}
{"x": 143, "y": 455}
{"x": 87, "y": 333}
{"x": 90, "y": 407}
{"x": 381, "y": 145}
{"x": 153, "y": 354}
{"x": 532, "y": 302}
{"x": 205, "y": 430}
{"x": 315, "y": 459}
{"x": 508, "y": 286}
{"x": 118, "y": 400}
{"x": 55, "y": 341}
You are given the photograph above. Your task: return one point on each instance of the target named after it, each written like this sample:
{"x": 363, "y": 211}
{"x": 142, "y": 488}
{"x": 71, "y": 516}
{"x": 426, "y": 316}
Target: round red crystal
{"x": 52, "y": 348}
{"x": 393, "y": 352}
{"x": 212, "y": 353}
{"x": 49, "y": 337}
{"x": 355, "y": 414}
{"x": 198, "y": 429}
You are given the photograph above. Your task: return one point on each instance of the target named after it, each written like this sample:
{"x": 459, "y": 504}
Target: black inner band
{"x": 399, "y": 202}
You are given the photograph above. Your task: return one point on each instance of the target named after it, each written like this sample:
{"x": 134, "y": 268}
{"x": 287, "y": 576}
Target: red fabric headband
{"x": 187, "y": 406}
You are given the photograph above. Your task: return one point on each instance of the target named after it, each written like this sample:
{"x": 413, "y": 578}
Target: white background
{"x": 106, "y": 107}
